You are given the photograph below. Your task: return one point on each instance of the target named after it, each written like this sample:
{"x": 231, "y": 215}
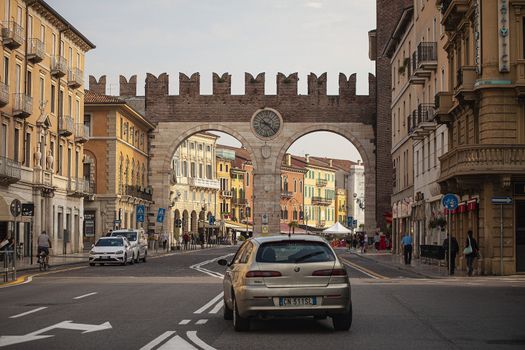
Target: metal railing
{"x": 226, "y": 194}
{"x": 322, "y": 182}
{"x": 58, "y": 66}
{"x": 321, "y": 200}
{"x": 426, "y": 52}
{"x": 23, "y": 106}
{"x": 81, "y": 132}
{"x": 7, "y": 261}
{"x": 66, "y": 125}
{"x": 10, "y": 170}
{"x": 205, "y": 183}
{"x": 139, "y": 192}
{"x": 286, "y": 194}
{"x": 75, "y": 77}
{"x": 4, "y": 94}
{"x": 35, "y": 50}
{"x": 12, "y": 34}
{"x": 239, "y": 201}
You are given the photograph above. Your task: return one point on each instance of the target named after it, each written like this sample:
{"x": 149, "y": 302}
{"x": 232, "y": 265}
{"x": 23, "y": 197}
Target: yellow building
{"x": 194, "y": 183}
{"x": 340, "y": 206}
{"x": 225, "y": 158}
{"x": 42, "y": 127}
{"x": 238, "y": 194}
{"x": 116, "y": 163}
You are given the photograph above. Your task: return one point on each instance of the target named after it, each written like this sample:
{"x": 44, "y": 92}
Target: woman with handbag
{"x": 470, "y": 251}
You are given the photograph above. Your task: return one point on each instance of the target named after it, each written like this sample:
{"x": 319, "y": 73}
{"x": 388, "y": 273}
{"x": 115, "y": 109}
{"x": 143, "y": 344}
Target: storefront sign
{"x": 28, "y": 209}
{"x": 503, "y": 35}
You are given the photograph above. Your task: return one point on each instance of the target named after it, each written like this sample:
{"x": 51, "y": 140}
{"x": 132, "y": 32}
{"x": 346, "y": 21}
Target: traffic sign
{"x": 211, "y": 220}
{"x": 349, "y": 221}
{"x": 140, "y": 213}
{"x": 16, "y": 207}
{"x": 501, "y": 200}
{"x": 450, "y": 201}
{"x": 160, "y": 215}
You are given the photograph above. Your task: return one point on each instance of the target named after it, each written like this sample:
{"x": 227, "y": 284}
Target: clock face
{"x": 266, "y": 123}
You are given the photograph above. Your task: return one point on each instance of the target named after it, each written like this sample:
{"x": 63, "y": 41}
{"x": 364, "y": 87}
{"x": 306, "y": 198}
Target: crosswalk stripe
{"x": 183, "y": 322}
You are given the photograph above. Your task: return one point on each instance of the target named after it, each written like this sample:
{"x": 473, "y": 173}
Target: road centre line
{"x": 29, "y": 312}
{"x": 192, "y": 335}
{"x": 217, "y": 307}
{"x": 364, "y": 270}
{"x": 157, "y": 340}
{"x": 183, "y": 322}
{"x": 209, "y": 304}
{"x": 85, "y": 295}
{"x": 202, "y": 321}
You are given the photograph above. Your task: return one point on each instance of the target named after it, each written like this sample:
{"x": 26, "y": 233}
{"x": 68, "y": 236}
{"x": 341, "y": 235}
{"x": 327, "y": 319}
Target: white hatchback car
{"x": 111, "y": 250}
{"x": 138, "y": 241}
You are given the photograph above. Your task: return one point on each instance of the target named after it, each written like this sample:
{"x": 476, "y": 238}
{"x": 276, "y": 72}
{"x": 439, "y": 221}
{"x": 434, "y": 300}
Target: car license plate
{"x": 297, "y": 301}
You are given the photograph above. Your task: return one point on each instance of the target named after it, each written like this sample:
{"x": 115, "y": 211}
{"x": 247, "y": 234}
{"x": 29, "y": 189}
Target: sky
{"x": 235, "y": 36}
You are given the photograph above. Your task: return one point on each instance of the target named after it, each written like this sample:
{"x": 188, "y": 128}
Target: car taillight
{"x": 263, "y": 274}
{"x": 330, "y": 272}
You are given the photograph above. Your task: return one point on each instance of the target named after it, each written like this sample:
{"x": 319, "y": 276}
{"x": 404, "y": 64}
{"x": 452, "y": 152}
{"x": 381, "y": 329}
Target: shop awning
{"x": 286, "y": 229}
{"x": 237, "y": 226}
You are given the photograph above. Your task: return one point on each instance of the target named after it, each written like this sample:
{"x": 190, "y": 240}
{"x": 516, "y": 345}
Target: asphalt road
{"x": 173, "y": 302}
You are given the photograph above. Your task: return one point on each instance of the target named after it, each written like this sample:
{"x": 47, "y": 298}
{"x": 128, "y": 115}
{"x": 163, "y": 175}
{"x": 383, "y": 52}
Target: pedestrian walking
{"x": 454, "y": 248}
{"x": 164, "y": 239}
{"x": 406, "y": 243}
{"x": 376, "y": 241}
{"x": 470, "y": 251}
{"x": 108, "y": 234}
{"x": 186, "y": 240}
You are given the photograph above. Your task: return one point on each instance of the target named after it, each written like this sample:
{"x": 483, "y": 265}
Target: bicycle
{"x": 42, "y": 261}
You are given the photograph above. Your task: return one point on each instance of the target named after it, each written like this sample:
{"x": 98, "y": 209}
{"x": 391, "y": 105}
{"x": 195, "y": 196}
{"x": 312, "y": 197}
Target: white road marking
{"x": 360, "y": 270}
{"x": 209, "y": 304}
{"x": 29, "y": 312}
{"x": 192, "y": 335}
{"x": 85, "y": 295}
{"x": 198, "y": 267}
{"x": 217, "y": 307}
{"x": 183, "y": 322}
{"x": 157, "y": 340}
{"x": 203, "y": 321}
{"x": 177, "y": 343}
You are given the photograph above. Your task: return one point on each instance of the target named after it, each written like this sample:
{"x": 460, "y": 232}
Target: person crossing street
{"x": 406, "y": 243}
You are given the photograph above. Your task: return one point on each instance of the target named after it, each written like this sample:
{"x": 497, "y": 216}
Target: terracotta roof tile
{"x": 93, "y": 98}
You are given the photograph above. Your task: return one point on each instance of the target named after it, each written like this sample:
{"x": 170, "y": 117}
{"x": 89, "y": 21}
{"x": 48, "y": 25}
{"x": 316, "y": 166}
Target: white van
{"x": 139, "y": 243}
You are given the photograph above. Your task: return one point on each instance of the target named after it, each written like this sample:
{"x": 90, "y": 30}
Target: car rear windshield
{"x": 130, "y": 235}
{"x": 293, "y": 252}
{"x": 115, "y": 242}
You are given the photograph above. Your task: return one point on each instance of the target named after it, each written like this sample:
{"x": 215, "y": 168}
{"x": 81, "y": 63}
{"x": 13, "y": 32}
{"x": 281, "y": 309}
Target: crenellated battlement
{"x": 253, "y": 86}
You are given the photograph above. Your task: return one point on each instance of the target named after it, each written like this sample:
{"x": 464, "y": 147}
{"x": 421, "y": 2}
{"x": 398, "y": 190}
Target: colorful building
{"x": 292, "y": 196}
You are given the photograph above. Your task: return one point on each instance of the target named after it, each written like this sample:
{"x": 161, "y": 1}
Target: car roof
{"x": 112, "y": 237}
{"x": 281, "y": 238}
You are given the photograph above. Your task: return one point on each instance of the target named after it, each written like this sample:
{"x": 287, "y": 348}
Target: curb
{"x": 397, "y": 267}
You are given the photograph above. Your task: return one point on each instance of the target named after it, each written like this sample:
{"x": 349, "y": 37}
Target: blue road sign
{"x": 160, "y": 215}
{"x": 140, "y": 213}
{"x": 450, "y": 201}
{"x": 354, "y": 224}
{"x": 211, "y": 220}
{"x": 349, "y": 221}
{"x": 501, "y": 200}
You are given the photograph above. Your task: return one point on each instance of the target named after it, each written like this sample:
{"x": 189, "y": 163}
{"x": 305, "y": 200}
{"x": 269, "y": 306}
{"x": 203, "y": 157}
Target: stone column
{"x": 266, "y": 203}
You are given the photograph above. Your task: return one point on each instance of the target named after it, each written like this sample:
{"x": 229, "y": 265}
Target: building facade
{"x": 225, "y": 159}
{"x": 484, "y": 110}
{"x": 194, "y": 183}
{"x": 116, "y": 160}
{"x": 42, "y": 128}
{"x": 356, "y": 194}
{"x": 292, "y": 196}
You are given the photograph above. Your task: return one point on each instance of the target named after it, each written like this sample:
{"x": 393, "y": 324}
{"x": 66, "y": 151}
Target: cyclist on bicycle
{"x": 44, "y": 243}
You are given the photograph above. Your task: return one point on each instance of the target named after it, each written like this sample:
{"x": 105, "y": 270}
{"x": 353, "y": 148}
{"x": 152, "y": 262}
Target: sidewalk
{"x": 418, "y": 266}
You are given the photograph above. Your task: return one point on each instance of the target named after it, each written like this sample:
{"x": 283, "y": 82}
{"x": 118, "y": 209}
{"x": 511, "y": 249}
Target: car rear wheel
{"x": 125, "y": 261}
{"x": 240, "y": 324}
{"x": 227, "y": 312}
{"x": 144, "y": 258}
{"x": 342, "y": 322}
{"x": 137, "y": 260}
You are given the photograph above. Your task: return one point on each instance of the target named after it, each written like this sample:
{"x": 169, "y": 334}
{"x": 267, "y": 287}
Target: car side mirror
{"x": 222, "y": 262}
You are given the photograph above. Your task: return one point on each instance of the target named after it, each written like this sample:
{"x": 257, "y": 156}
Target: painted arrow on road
{"x": 36, "y": 335}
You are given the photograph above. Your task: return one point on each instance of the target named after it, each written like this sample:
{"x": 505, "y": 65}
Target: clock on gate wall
{"x": 266, "y": 123}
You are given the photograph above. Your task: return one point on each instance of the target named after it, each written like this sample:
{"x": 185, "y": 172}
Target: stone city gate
{"x": 179, "y": 116}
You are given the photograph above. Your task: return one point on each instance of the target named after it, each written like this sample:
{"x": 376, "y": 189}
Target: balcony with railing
{"x": 226, "y": 194}
{"x": 465, "y": 81}
{"x": 58, "y": 66}
{"x": 145, "y": 193}
{"x": 205, "y": 183}
{"x": 12, "y": 34}
{"x": 66, "y": 125}
{"x": 321, "y": 182}
{"x": 35, "y": 50}
{"x": 23, "y": 105}
{"x": 423, "y": 121}
{"x": 4, "y": 94}
{"x": 286, "y": 194}
{"x": 81, "y": 133}
{"x": 413, "y": 78}
{"x": 318, "y": 200}
{"x": 75, "y": 78}
{"x": 427, "y": 56}
{"x": 79, "y": 187}
{"x": 239, "y": 201}
{"x": 476, "y": 160}
{"x": 452, "y": 12}
{"x": 9, "y": 171}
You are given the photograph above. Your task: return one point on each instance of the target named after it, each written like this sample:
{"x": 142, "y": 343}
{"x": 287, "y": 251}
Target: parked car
{"x": 138, "y": 241}
{"x": 111, "y": 250}
{"x": 282, "y": 276}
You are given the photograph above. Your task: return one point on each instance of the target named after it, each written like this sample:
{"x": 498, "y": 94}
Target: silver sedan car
{"x": 286, "y": 276}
